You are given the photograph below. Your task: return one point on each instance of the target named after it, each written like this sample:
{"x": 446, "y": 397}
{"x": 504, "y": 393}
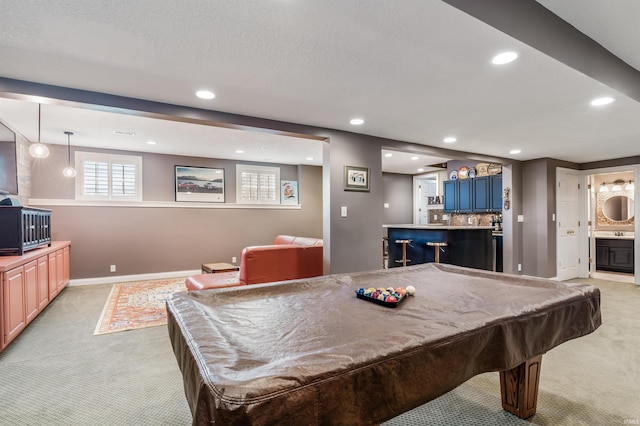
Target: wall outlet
{"x": 112, "y": 268}
{"x": 435, "y": 217}
{"x": 233, "y": 259}
{"x": 520, "y": 218}
{"x": 519, "y": 267}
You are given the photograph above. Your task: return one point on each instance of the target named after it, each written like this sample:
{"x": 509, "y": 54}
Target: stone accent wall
{"x": 24, "y": 169}
{"x": 602, "y": 221}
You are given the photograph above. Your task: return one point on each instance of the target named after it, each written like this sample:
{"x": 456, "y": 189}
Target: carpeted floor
{"x": 58, "y": 373}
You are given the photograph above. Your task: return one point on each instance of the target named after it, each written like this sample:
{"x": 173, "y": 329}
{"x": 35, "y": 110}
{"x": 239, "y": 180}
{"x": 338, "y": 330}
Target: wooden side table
{"x": 214, "y": 268}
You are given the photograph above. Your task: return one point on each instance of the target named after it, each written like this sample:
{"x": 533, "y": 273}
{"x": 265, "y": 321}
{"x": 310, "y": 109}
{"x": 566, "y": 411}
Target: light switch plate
{"x": 520, "y": 218}
{"x": 343, "y": 211}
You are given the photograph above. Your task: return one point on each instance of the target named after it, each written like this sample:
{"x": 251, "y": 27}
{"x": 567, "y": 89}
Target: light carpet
{"x": 135, "y": 305}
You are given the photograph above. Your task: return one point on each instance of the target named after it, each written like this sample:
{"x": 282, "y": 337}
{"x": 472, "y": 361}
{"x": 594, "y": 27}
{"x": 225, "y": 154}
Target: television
{"x": 8, "y": 162}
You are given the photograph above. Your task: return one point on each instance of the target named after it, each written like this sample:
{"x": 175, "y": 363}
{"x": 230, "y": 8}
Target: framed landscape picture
{"x": 200, "y": 184}
{"x": 356, "y": 178}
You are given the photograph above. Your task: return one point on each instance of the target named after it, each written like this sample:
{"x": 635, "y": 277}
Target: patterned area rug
{"x": 135, "y": 305}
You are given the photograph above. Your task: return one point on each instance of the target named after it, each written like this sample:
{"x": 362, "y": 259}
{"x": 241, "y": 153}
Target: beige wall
{"x": 141, "y": 240}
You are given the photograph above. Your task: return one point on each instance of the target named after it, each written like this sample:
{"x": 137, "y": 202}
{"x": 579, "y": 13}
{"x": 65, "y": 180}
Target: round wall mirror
{"x": 618, "y": 208}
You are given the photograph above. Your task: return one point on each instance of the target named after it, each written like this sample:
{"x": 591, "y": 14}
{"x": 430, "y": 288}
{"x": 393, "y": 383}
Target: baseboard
{"x": 137, "y": 277}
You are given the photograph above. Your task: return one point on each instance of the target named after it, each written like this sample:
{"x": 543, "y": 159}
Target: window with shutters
{"x": 257, "y": 184}
{"x": 108, "y": 177}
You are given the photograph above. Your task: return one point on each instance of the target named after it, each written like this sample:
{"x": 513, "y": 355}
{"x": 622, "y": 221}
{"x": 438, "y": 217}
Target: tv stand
{"x": 23, "y": 228}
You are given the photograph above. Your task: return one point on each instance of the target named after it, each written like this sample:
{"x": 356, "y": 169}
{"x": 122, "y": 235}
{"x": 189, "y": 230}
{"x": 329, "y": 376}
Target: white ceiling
{"x": 414, "y": 70}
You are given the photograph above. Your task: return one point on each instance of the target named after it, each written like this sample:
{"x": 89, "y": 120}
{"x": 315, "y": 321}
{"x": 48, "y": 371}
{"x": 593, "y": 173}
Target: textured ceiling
{"x": 414, "y": 70}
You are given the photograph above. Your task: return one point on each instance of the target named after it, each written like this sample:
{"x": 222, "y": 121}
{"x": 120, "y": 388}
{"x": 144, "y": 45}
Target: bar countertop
{"x": 433, "y": 226}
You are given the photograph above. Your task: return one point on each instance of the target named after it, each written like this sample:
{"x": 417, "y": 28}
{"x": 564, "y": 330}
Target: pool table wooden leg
{"x": 519, "y": 388}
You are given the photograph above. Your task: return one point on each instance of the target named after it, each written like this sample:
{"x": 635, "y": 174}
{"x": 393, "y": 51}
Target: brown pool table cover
{"x": 310, "y": 352}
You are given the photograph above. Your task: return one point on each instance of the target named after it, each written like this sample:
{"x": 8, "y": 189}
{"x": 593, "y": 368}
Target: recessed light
{"x": 504, "y": 58}
{"x": 421, "y": 169}
{"x": 515, "y": 151}
{"x": 151, "y": 142}
{"x": 239, "y": 151}
{"x": 205, "y": 94}
{"x": 123, "y": 133}
{"x": 415, "y": 158}
{"x": 449, "y": 139}
{"x": 357, "y": 121}
{"x": 388, "y": 154}
{"x": 309, "y": 158}
{"x": 602, "y": 101}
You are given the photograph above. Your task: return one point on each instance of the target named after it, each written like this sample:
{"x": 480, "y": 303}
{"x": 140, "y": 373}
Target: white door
{"x": 567, "y": 224}
{"x": 426, "y": 188}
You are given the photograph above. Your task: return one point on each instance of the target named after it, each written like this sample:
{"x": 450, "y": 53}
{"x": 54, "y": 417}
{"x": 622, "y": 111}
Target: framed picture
{"x": 200, "y": 184}
{"x": 356, "y": 178}
{"x": 289, "y": 192}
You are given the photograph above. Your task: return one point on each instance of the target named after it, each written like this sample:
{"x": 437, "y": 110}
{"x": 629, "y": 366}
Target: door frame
{"x": 583, "y": 252}
{"x": 416, "y": 191}
{"x": 584, "y": 215}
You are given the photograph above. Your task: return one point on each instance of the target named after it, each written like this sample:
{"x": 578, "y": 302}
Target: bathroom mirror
{"x": 618, "y": 208}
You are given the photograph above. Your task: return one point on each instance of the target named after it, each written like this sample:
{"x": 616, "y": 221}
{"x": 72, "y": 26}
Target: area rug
{"x": 135, "y": 305}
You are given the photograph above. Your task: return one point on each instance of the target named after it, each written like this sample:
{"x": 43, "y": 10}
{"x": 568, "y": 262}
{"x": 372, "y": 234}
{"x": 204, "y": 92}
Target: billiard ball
{"x": 411, "y": 290}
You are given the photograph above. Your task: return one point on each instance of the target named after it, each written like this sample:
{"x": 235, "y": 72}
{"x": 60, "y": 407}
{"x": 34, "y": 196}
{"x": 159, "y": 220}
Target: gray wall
{"x": 397, "y": 190}
{"x": 141, "y": 240}
{"x": 351, "y": 243}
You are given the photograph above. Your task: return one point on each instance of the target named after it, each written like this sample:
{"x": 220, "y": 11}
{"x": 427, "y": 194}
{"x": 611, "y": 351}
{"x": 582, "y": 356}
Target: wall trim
{"x": 159, "y": 204}
{"x": 137, "y": 277}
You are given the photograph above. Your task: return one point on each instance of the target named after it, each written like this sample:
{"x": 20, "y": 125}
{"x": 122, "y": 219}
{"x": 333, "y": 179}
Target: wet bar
{"x": 469, "y": 246}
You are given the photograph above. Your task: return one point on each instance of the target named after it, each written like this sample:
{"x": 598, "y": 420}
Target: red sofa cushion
{"x": 219, "y": 280}
{"x": 263, "y": 264}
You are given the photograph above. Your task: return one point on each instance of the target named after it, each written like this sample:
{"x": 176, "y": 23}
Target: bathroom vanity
{"x": 615, "y": 254}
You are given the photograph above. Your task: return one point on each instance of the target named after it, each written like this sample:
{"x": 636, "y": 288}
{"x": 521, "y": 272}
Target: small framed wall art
{"x": 201, "y": 184}
{"x": 356, "y": 178}
{"x": 289, "y": 192}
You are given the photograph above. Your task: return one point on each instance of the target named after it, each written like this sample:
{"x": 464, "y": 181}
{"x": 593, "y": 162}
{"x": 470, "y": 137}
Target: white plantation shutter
{"x": 268, "y": 187}
{"x": 248, "y": 186}
{"x": 107, "y": 177}
{"x": 123, "y": 180}
{"x": 257, "y": 185}
{"x": 96, "y": 178}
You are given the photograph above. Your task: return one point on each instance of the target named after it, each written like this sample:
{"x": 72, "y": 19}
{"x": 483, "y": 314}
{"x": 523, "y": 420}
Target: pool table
{"x": 310, "y": 352}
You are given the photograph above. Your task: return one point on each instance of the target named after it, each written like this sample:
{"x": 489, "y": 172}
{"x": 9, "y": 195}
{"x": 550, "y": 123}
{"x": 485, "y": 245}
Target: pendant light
{"x": 69, "y": 171}
{"x": 39, "y": 150}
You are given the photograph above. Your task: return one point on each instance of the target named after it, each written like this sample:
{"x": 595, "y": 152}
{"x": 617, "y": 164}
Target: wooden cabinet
{"x": 458, "y": 196}
{"x": 495, "y": 196}
{"x": 13, "y": 289}
{"x": 31, "y": 290}
{"x": 482, "y": 195}
{"x": 450, "y": 190}
{"x": 613, "y": 254}
{"x": 27, "y": 283}
{"x": 43, "y": 282}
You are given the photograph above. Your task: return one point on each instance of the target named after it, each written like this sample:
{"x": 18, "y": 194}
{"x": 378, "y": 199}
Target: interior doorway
{"x": 428, "y": 197}
{"x": 611, "y": 210}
